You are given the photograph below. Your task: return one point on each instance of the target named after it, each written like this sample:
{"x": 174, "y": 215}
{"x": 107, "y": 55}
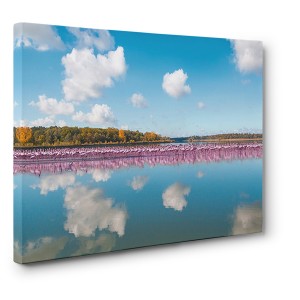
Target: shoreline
{"x": 112, "y": 144}
{"x": 27, "y": 147}
{"x": 48, "y": 167}
{"x": 205, "y": 154}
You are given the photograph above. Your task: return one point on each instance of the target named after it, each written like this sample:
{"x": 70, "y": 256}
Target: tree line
{"x": 65, "y": 136}
{"x": 227, "y": 136}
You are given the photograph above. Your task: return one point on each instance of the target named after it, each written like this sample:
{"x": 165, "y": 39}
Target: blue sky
{"x": 173, "y": 85}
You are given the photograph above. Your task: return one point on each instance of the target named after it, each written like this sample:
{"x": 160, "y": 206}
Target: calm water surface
{"x": 93, "y": 209}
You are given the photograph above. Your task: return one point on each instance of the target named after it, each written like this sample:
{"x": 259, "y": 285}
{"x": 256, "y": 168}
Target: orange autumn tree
{"x": 122, "y": 135}
{"x": 23, "y": 134}
{"x": 150, "y": 136}
{"x": 153, "y": 136}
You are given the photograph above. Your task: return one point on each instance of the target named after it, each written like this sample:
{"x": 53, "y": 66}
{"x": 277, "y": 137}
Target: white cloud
{"x": 51, "y": 183}
{"x": 248, "y": 55}
{"x": 51, "y": 106}
{"x": 48, "y": 121}
{"x": 248, "y": 219}
{"x": 61, "y": 123}
{"x": 101, "y": 114}
{"x": 88, "y": 38}
{"x": 16, "y": 104}
{"x": 21, "y": 123}
{"x": 200, "y": 105}
{"x": 174, "y": 196}
{"x": 44, "y": 248}
{"x": 87, "y": 74}
{"x": 37, "y": 36}
{"x": 45, "y": 122}
{"x": 138, "y": 100}
{"x": 138, "y": 182}
{"x": 101, "y": 174}
{"x": 88, "y": 210}
{"x": 200, "y": 174}
{"x": 175, "y": 85}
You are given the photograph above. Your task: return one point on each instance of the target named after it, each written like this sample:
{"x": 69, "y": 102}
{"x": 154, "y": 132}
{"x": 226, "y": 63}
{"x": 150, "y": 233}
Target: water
{"x": 92, "y": 209}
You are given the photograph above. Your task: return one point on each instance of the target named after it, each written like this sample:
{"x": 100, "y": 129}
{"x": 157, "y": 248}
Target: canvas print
{"x": 125, "y": 140}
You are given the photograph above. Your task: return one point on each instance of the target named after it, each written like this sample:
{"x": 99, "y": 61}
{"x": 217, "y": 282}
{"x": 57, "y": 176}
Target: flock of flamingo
{"x": 57, "y": 160}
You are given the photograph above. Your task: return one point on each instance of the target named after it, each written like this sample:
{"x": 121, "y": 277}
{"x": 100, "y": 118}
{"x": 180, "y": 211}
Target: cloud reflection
{"x": 44, "y": 248}
{"x": 200, "y": 174}
{"x": 138, "y": 182}
{"x": 104, "y": 243}
{"x": 247, "y": 219}
{"x": 88, "y": 209}
{"x": 51, "y": 183}
{"x": 174, "y": 196}
{"x": 101, "y": 174}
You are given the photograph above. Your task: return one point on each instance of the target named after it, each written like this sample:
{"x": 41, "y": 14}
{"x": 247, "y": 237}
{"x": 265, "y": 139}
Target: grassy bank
{"x": 64, "y": 145}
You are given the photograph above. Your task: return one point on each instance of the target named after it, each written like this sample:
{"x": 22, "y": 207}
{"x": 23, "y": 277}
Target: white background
{"x": 263, "y": 266}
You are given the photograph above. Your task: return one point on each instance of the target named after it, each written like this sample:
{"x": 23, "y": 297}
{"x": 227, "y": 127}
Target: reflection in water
{"x": 248, "y": 219}
{"x": 104, "y": 243}
{"x": 80, "y": 218}
{"x": 51, "y": 183}
{"x": 174, "y": 196}
{"x": 101, "y": 174}
{"x": 138, "y": 182}
{"x": 47, "y": 248}
{"x": 188, "y": 157}
{"x": 88, "y": 209}
{"x": 44, "y": 248}
{"x": 200, "y": 174}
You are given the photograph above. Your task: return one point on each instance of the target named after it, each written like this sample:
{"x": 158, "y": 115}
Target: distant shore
{"x": 226, "y": 140}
